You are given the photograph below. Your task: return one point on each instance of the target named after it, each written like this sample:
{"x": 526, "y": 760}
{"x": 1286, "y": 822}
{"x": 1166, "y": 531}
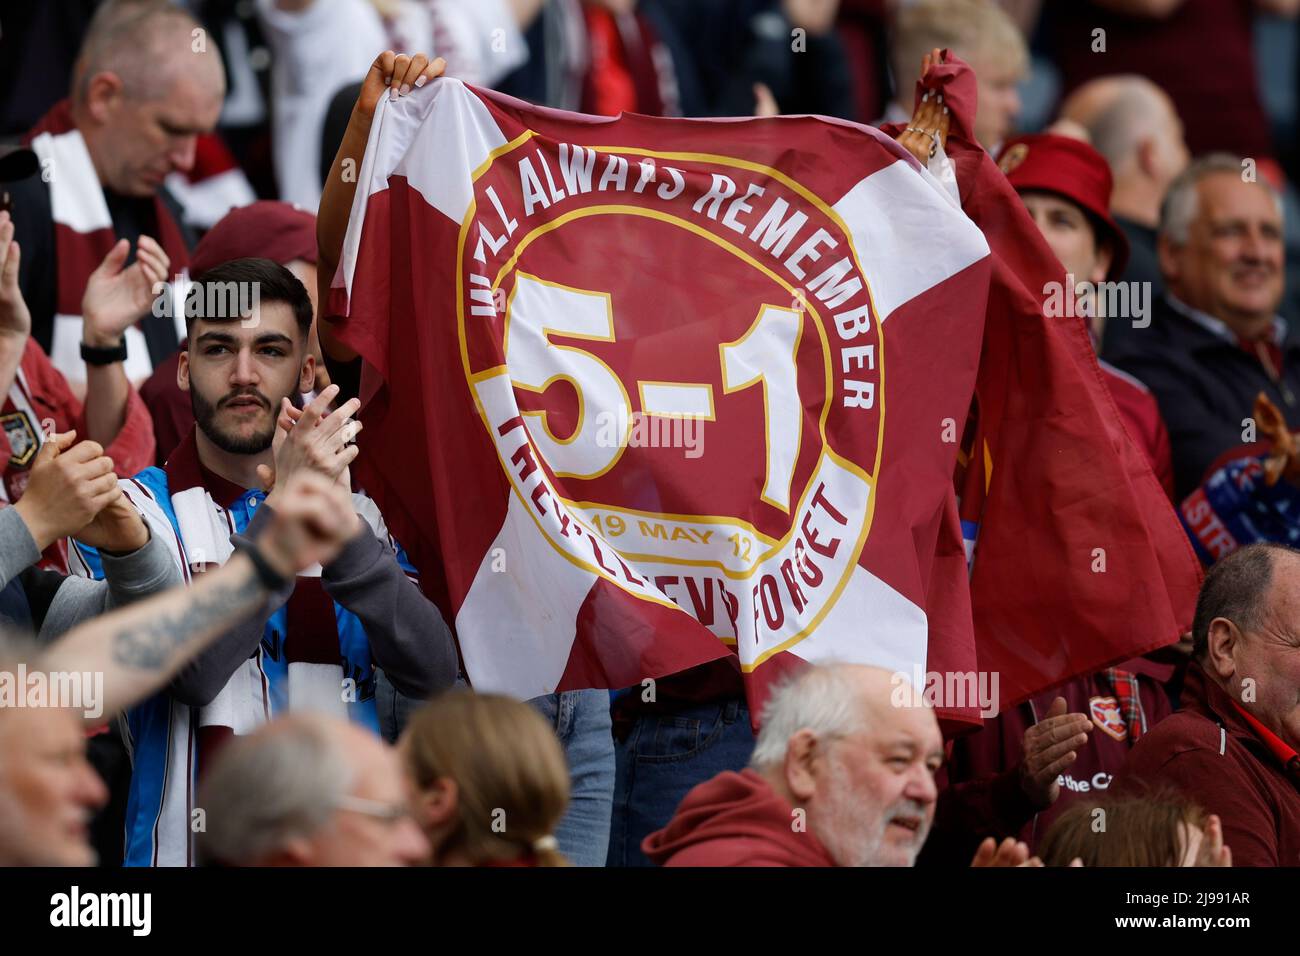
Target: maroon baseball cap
{"x": 266, "y": 229}
{"x": 1073, "y": 170}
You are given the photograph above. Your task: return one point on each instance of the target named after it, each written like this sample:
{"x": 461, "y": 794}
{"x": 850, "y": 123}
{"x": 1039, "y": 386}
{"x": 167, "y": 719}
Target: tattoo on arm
{"x": 149, "y": 645}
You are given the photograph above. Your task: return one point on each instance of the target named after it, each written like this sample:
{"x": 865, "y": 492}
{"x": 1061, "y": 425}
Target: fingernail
{"x": 419, "y": 81}
{"x": 406, "y": 88}
{"x": 945, "y": 110}
{"x": 392, "y": 92}
{"x": 925, "y": 97}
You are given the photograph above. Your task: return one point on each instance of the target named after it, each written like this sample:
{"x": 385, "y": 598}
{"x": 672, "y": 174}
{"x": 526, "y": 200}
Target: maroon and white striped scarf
{"x": 83, "y": 235}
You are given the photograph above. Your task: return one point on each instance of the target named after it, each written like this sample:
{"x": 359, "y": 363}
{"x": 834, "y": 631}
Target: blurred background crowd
{"x": 1228, "y": 67}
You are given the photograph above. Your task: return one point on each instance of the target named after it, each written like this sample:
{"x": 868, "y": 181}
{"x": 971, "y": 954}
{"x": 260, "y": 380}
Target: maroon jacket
{"x": 735, "y": 819}
{"x": 982, "y": 795}
{"x": 1209, "y": 750}
{"x": 1137, "y": 406}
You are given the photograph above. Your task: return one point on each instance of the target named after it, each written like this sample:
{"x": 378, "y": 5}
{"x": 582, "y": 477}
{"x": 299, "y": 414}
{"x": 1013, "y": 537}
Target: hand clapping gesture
{"x": 15, "y": 318}
{"x": 69, "y": 485}
{"x": 312, "y": 440}
{"x": 116, "y": 297}
{"x": 1050, "y": 746}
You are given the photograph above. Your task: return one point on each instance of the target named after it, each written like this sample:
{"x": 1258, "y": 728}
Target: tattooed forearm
{"x": 149, "y": 645}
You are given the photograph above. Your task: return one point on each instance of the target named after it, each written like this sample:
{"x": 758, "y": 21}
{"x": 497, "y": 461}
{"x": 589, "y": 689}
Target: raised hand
{"x": 15, "y": 318}
{"x": 115, "y": 297}
{"x": 927, "y": 132}
{"x": 1050, "y": 746}
{"x": 314, "y": 440}
{"x": 1010, "y": 852}
{"x": 1206, "y": 848}
{"x": 313, "y": 519}
{"x": 397, "y": 74}
{"x": 69, "y": 485}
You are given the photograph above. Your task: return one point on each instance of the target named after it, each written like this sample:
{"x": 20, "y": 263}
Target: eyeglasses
{"x": 388, "y": 812}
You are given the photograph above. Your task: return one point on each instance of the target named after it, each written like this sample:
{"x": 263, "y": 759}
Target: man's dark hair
{"x": 1236, "y": 589}
{"x": 224, "y": 292}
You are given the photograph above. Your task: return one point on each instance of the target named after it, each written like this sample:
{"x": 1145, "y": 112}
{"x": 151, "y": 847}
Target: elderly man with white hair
{"x": 843, "y": 774}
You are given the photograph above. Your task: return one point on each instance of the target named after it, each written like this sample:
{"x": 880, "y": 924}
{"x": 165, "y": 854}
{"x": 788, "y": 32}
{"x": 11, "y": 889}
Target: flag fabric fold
{"x": 1078, "y": 558}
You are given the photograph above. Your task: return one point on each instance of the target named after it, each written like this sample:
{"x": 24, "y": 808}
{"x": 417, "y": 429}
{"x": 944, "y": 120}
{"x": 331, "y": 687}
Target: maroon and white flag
{"x": 649, "y": 392}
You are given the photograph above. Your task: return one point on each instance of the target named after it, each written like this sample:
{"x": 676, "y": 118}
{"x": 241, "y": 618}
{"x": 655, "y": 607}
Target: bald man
{"x": 1133, "y": 123}
{"x": 148, "y": 81}
{"x": 308, "y": 790}
{"x": 842, "y": 775}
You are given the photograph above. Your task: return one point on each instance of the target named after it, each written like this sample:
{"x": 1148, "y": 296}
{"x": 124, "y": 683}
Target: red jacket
{"x": 1209, "y": 750}
{"x": 1141, "y": 414}
{"x": 735, "y": 819}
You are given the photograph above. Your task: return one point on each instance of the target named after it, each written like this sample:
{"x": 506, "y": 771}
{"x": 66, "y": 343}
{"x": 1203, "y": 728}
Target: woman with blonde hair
{"x": 489, "y": 781}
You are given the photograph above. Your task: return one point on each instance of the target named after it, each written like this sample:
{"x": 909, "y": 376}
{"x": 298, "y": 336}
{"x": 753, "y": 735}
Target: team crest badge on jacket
{"x": 23, "y": 442}
{"x": 1106, "y": 715}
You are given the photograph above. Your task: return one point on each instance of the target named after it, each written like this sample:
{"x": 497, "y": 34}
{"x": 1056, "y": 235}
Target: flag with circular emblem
{"x": 650, "y": 392}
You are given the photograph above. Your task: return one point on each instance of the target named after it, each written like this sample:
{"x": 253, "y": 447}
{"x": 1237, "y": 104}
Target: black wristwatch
{"x": 94, "y": 355}
{"x": 271, "y": 579}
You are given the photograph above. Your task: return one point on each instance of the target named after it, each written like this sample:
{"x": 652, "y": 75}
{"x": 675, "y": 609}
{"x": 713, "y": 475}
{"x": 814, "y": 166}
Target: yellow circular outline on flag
{"x": 869, "y": 478}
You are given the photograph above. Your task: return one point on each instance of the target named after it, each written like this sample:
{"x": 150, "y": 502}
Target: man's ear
{"x": 1222, "y": 640}
{"x": 297, "y": 852}
{"x": 104, "y": 91}
{"x": 801, "y": 750}
{"x": 307, "y": 376}
{"x": 183, "y": 370}
{"x": 1147, "y": 157}
{"x": 1168, "y": 254}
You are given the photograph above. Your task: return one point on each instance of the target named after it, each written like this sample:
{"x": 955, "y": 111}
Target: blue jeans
{"x": 662, "y": 758}
{"x": 581, "y": 721}
{"x": 394, "y": 709}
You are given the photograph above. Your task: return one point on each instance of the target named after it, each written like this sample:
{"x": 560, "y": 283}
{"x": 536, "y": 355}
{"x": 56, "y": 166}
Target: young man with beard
{"x": 316, "y": 645}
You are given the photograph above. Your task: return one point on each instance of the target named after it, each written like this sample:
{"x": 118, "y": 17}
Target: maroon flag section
{"x": 651, "y": 392}
{"x": 1079, "y": 561}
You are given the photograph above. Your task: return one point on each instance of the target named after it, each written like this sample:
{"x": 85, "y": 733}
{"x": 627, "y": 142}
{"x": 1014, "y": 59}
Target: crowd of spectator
{"x": 179, "y": 514}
